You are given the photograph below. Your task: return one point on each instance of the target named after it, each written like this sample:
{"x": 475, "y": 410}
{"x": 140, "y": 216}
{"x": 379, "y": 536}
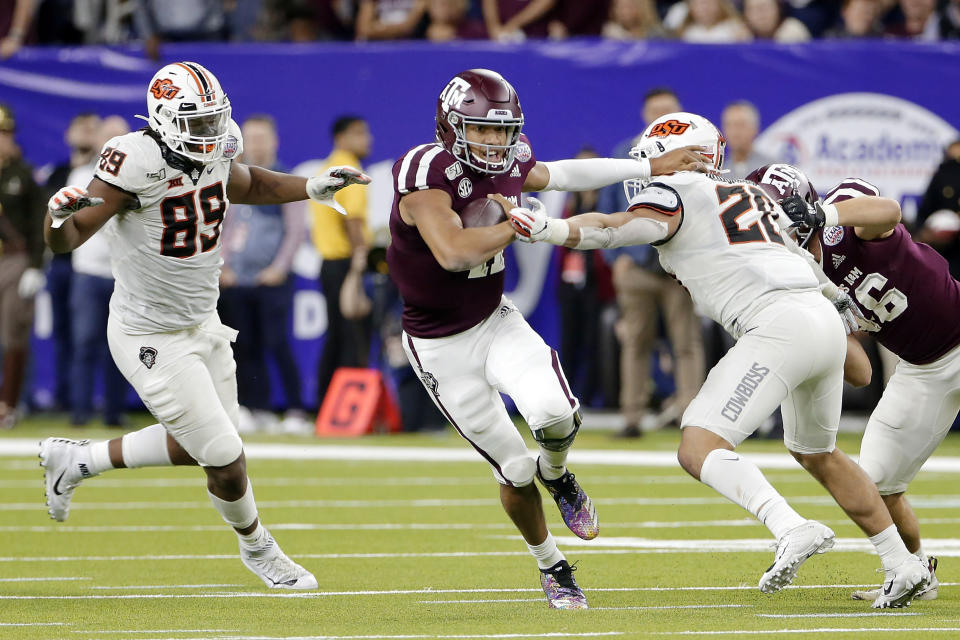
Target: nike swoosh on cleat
{"x": 56, "y": 484}
{"x": 888, "y": 588}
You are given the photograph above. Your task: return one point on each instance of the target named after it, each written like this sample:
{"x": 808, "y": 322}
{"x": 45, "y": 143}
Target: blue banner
{"x": 573, "y": 93}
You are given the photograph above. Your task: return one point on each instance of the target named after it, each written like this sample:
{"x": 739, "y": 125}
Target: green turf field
{"x": 422, "y": 549}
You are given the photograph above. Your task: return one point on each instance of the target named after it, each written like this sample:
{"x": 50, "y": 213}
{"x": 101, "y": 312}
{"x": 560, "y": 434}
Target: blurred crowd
{"x": 630, "y": 339}
{"x": 152, "y": 22}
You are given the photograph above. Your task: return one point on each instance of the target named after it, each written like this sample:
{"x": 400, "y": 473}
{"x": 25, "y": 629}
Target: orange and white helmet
{"x": 189, "y": 110}
{"x": 673, "y": 131}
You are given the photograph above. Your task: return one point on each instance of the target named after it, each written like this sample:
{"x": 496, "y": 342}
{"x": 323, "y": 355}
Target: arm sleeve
{"x": 585, "y": 174}
{"x": 636, "y": 231}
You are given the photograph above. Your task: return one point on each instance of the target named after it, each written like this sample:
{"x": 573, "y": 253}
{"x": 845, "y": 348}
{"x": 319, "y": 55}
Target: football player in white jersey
{"x": 723, "y": 241}
{"x": 168, "y": 187}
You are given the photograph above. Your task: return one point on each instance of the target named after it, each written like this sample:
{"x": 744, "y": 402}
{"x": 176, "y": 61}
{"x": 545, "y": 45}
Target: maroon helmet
{"x": 783, "y": 181}
{"x": 480, "y": 97}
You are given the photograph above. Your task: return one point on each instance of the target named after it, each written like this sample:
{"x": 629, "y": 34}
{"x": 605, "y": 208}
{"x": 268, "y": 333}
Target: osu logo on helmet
{"x": 668, "y": 128}
{"x": 164, "y": 89}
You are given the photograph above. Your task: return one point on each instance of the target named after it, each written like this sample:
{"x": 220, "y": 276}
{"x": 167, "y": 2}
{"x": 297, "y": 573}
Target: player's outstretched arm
{"x": 856, "y": 368}
{"x": 585, "y": 174}
{"x": 256, "y": 185}
{"x": 872, "y": 217}
{"x": 74, "y": 213}
{"x": 455, "y": 248}
{"x": 640, "y": 225}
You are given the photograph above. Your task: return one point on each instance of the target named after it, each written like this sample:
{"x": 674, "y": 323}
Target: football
{"x": 482, "y": 212}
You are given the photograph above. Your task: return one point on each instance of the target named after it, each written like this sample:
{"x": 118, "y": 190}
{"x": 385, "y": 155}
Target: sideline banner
{"x": 876, "y": 109}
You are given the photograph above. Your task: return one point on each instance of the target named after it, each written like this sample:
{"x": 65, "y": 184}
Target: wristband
{"x": 830, "y": 216}
{"x": 557, "y": 231}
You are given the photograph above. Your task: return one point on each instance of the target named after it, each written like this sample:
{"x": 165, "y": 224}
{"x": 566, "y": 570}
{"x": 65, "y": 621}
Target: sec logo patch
{"x": 524, "y": 152}
{"x": 465, "y": 188}
{"x": 832, "y": 236}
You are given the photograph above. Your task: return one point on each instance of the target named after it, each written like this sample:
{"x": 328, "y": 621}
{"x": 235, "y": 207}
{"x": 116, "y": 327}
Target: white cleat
{"x": 793, "y": 549}
{"x": 64, "y": 465}
{"x": 902, "y": 585}
{"x": 929, "y": 592}
{"x": 274, "y": 567}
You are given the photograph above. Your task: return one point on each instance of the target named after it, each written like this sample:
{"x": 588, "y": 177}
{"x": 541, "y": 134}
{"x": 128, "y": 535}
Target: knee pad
{"x": 519, "y": 471}
{"x": 559, "y": 436}
{"x": 221, "y": 450}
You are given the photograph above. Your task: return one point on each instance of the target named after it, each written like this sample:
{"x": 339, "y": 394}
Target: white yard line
{"x": 155, "y": 631}
{"x": 56, "y": 579}
{"x": 553, "y": 634}
{"x": 173, "y": 586}
{"x": 918, "y": 502}
{"x": 867, "y": 614}
{"x": 405, "y": 592}
{"x": 868, "y": 630}
{"x": 15, "y": 447}
{"x": 33, "y": 624}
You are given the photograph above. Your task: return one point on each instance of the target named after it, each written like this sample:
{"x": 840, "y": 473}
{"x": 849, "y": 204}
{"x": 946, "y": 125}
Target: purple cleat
{"x": 576, "y": 507}
{"x": 561, "y": 589}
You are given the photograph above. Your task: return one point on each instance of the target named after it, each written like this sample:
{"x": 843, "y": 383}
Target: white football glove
{"x": 323, "y": 187}
{"x": 31, "y": 282}
{"x": 68, "y": 201}
{"x": 853, "y": 318}
{"x": 532, "y": 224}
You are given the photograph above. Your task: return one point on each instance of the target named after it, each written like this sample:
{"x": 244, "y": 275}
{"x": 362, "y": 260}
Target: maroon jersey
{"x": 902, "y": 285}
{"x": 437, "y": 302}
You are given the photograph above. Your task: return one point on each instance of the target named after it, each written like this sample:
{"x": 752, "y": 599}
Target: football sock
{"x": 890, "y": 547}
{"x": 254, "y": 540}
{"x": 146, "y": 448}
{"x": 546, "y": 553}
{"x": 923, "y": 556}
{"x": 99, "y": 457}
{"x": 741, "y": 482}
{"x": 239, "y": 514}
{"x": 552, "y": 464}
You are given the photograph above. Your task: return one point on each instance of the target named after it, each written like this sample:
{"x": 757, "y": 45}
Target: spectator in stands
{"x": 859, "y": 19}
{"x": 390, "y": 19}
{"x": 578, "y": 18}
{"x": 89, "y": 306}
{"x": 15, "y": 21}
{"x": 941, "y": 230}
{"x": 517, "y": 20}
{"x": 450, "y": 20}
{"x": 256, "y": 292}
{"x": 816, "y": 15}
{"x": 918, "y": 21}
{"x": 740, "y": 124}
{"x": 712, "y": 21}
{"x": 633, "y": 20}
{"x": 22, "y": 207}
{"x": 943, "y": 195}
{"x": 644, "y": 292}
{"x": 342, "y": 242}
{"x": 99, "y": 21}
{"x": 159, "y": 21}
{"x": 82, "y": 138}
{"x": 768, "y": 20}
{"x": 583, "y": 291}
{"x": 950, "y": 21}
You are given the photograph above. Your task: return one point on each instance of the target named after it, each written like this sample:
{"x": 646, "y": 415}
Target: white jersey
{"x": 728, "y": 251}
{"x": 166, "y": 252}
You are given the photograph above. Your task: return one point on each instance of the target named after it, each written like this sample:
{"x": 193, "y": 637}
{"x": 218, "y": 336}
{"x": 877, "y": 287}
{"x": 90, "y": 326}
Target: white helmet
{"x": 673, "y": 131}
{"x": 189, "y": 110}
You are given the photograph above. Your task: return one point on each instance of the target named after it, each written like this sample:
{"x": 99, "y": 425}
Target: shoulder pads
{"x": 659, "y": 197}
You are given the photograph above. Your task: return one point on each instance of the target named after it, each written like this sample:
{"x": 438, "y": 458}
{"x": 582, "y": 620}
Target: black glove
{"x": 803, "y": 214}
